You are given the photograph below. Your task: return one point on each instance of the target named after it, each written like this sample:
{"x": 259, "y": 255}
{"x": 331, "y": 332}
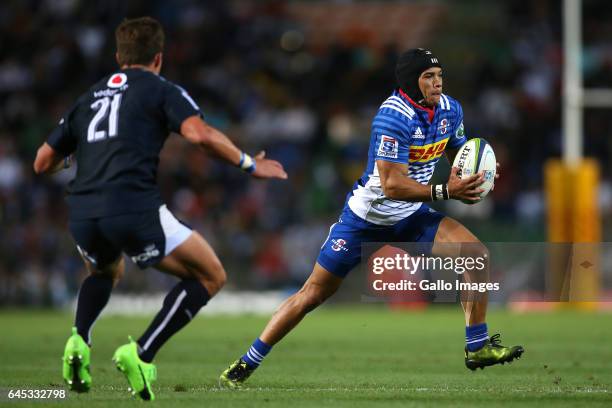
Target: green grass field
{"x": 338, "y": 357}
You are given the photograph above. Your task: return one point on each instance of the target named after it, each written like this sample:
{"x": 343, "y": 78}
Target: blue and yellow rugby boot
{"x": 236, "y": 374}
{"x": 492, "y": 353}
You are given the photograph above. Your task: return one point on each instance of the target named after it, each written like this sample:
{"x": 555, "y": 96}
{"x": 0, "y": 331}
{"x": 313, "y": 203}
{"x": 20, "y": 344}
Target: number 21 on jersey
{"x": 101, "y": 106}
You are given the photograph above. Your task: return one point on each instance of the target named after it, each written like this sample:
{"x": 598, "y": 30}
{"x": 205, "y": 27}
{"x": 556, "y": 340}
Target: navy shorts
{"x": 145, "y": 237}
{"x": 341, "y": 251}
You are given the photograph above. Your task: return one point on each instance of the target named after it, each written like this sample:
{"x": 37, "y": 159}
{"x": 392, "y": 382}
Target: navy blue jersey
{"x": 116, "y": 131}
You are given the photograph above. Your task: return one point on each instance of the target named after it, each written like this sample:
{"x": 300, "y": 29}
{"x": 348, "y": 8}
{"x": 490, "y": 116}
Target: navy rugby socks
{"x": 256, "y": 353}
{"x": 180, "y": 306}
{"x": 93, "y": 296}
{"x": 476, "y": 336}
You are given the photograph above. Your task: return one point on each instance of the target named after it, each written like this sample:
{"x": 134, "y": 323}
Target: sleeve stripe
{"x": 401, "y": 102}
{"x": 445, "y": 102}
{"x": 191, "y": 101}
{"x": 188, "y": 97}
{"x": 398, "y": 105}
{"x": 389, "y": 106}
{"x": 402, "y": 107}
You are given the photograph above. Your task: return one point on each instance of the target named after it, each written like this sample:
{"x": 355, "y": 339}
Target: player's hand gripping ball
{"x": 476, "y": 156}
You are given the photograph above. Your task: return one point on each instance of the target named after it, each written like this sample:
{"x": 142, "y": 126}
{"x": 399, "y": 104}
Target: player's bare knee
{"x": 218, "y": 274}
{"x": 474, "y": 249}
{"x": 113, "y": 272}
{"x": 311, "y": 297}
{"x": 213, "y": 279}
{"x": 478, "y": 253}
{"x": 117, "y": 275}
{"x": 219, "y": 279}
{"x": 116, "y": 271}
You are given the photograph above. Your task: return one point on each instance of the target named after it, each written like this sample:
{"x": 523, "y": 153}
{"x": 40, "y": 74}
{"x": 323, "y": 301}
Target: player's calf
{"x": 202, "y": 276}
{"x": 181, "y": 305}
{"x": 307, "y": 299}
{"x": 319, "y": 287}
{"x": 213, "y": 278}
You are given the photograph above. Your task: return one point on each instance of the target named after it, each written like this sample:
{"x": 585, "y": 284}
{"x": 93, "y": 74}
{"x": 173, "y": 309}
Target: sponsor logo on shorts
{"x": 427, "y": 152}
{"x": 339, "y": 245}
{"x": 150, "y": 251}
{"x": 389, "y": 147}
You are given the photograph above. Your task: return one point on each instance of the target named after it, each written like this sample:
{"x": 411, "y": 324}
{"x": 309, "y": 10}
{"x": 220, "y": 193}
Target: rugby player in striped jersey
{"x": 415, "y": 126}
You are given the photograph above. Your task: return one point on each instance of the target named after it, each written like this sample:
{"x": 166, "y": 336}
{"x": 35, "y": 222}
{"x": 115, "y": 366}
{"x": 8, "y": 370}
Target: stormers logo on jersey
{"x": 427, "y": 152}
{"x": 117, "y": 80}
{"x": 443, "y": 128}
{"x": 389, "y": 147}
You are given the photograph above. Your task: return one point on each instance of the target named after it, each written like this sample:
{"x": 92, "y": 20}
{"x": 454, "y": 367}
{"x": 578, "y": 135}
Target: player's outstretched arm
{"x": 398, "y": 186}
{"x": 48, "y": 161}
{"x": 218, "y": 144}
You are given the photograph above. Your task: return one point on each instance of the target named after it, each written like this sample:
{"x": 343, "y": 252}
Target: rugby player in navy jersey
{"x": 115, "y": 132}
{"x": 412, "y": 129}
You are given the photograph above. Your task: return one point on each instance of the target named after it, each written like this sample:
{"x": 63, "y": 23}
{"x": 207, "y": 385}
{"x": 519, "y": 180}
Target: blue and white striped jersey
{"x": 404, "y": 133}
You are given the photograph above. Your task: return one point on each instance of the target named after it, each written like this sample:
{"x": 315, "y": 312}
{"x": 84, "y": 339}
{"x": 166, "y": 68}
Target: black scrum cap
{"x": 409, "y": 68}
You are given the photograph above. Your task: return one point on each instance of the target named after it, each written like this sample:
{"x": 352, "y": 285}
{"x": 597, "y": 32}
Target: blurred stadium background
{"x": 301, "y": 80}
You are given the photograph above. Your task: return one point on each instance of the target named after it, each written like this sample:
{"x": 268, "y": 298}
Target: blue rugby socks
{"x": 93, "y": 296}
{"x": 180, "y": 306}
{"x": 256, "y": 353}
{"x": 476, "y": 336}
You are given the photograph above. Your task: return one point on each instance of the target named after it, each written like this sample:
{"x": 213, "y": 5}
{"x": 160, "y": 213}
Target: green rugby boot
{"x": 491, "y": 353}
{"x": 75, "y": 363}
{"x": 140, "y": 375}
{"x": 236, "y": 374}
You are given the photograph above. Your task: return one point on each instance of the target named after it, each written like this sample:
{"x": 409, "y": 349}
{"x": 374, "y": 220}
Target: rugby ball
{"x": 474, "y": 156}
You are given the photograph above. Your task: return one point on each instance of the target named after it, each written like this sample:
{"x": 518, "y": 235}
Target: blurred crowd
{"x": 254, "y": 72}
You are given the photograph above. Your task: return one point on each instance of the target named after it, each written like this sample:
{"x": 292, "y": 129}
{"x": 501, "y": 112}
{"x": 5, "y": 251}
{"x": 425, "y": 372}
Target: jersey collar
{"x": 430, "y": 111}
